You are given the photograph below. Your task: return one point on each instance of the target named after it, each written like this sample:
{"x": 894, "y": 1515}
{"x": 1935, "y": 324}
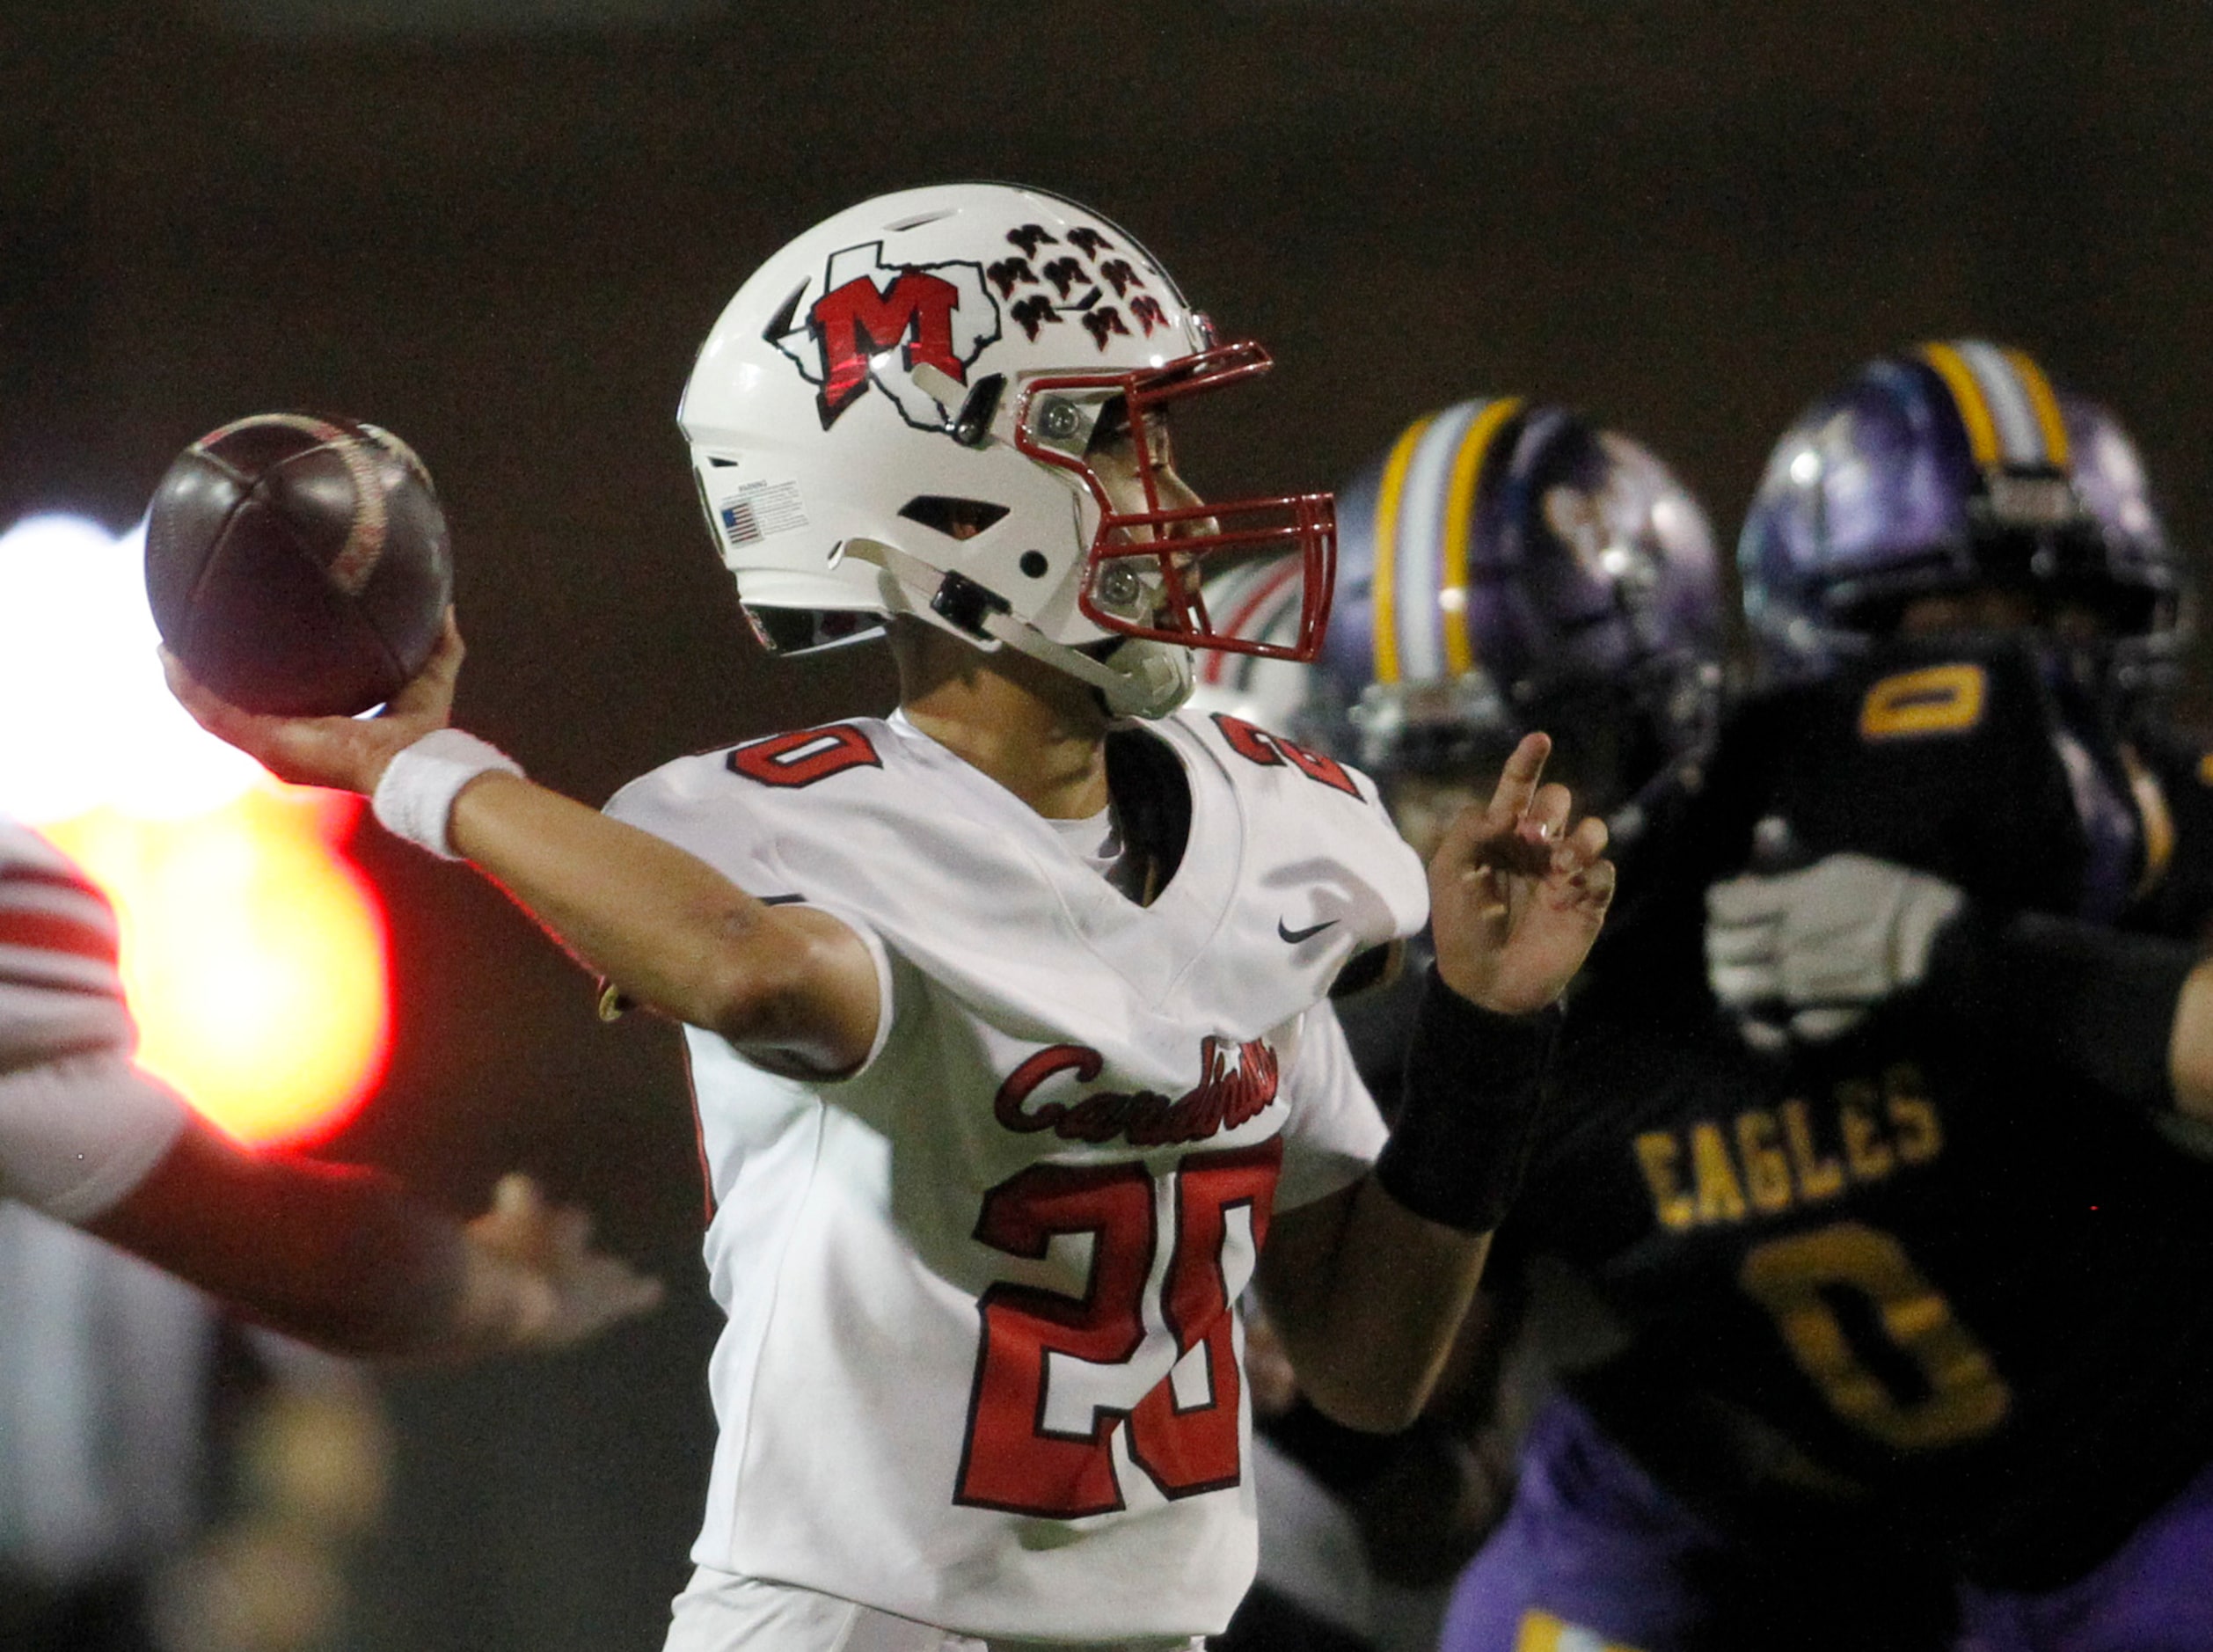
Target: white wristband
{"x": 416, "y": 795}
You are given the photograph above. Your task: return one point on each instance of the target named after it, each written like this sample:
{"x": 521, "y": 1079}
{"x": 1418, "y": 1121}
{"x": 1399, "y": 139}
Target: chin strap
{"x": 1147, "y": 679}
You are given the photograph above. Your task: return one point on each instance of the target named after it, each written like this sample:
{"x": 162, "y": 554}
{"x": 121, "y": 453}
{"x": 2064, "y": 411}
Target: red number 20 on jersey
{"x": 1055, "y": 1372}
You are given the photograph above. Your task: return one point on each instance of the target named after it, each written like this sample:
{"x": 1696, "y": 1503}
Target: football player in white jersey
{"x": 338, "y": 1256}
{"x": 1007, "y": 1015}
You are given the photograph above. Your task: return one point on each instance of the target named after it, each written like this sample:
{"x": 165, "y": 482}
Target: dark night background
{"x": 506, "y": 243}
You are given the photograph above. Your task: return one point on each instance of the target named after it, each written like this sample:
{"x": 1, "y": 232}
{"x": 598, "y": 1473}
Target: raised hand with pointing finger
{"x": 1517, "y": 893}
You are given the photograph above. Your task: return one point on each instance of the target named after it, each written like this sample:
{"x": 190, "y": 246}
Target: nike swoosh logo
{"x": 1295, "y": 936}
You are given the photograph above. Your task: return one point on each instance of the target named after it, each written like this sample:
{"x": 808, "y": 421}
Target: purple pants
{"x": 1594, "y": 1554}
{"x": 2155, "y": 1594}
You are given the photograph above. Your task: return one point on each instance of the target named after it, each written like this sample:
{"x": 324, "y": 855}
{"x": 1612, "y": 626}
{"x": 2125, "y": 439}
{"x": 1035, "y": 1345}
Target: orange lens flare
{"x": 254, "y": 956}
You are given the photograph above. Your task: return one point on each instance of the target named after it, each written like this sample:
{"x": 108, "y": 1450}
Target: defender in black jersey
{"x": 1503, "y": 566}
{"x": 1946, "y": 1256}
{"x": 1938, "y": 1273}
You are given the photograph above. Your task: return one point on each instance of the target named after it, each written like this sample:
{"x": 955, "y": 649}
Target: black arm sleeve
{"x": 2098, "y": 1002}
{"x": 1475, "y": 1083}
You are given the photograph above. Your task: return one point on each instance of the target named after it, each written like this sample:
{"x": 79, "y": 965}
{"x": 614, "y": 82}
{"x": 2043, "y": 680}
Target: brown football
{"x": 299, "y": 565}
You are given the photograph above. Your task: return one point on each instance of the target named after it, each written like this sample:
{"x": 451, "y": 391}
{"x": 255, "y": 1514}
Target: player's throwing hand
{"x": 345, "y": 753}
{"x": 1516, "y": 896}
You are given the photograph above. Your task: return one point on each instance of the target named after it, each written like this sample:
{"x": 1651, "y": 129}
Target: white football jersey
{"x": 79, "y": 1126}
{"x": 983, "y": 1361}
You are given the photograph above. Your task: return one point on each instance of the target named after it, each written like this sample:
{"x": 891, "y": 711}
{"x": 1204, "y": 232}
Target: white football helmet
{"x": 893, "y": 416}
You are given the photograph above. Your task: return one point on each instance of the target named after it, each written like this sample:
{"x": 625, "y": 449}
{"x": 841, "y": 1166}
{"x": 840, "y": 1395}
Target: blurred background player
{"x": 338, "y": 1256}
{"x": 1511, "y": 566}
{"x": 1503, "y": 566}
{"x": 1918, "y": 1288}
{"x": 110, "y": 1376}
{"x": 1028, "y": 968}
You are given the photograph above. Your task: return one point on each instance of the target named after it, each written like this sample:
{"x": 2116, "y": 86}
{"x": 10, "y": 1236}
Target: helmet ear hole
{"x": 792, "y": 630}
{"x": 955, "y": 518}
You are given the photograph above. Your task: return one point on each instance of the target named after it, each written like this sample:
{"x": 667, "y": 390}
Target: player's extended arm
{"x": 2133, "y": 1014}
{"x": 343, "y": 1258}
{"x": 667, "y": 929}
{"x": 1816, "y": 949}
{"x": 338, "y": 1256}
{"x": 1368, "y": 1288}
{"x": 1367, "y": 1297}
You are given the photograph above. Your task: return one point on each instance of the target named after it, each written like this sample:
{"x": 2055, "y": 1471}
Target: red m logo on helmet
{"x": 856, "y": 323}
{"x": 875, "y": 322}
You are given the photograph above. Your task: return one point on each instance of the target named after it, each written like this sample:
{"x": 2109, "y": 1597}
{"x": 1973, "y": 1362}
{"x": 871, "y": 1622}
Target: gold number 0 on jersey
{"x": 1797, "y": 1279}
{"x": 1941, "y": 699}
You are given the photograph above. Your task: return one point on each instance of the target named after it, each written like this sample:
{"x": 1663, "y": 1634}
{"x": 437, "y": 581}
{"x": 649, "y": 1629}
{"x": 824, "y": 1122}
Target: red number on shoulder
{"x": 1316, "y": 766}
{"x": 1183, "y": 1431}
{"x": 805, "y": 756}
{"x": 1253, "y": 744}
{"x": 1257, "y": 745}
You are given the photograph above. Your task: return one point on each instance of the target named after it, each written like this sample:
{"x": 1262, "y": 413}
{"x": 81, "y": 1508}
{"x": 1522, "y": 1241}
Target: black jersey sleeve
{"x": 2100, "y": 1003}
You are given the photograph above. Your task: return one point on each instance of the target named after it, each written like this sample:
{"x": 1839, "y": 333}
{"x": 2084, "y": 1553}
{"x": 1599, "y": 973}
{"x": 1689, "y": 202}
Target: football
{"x": 299, "y": 565}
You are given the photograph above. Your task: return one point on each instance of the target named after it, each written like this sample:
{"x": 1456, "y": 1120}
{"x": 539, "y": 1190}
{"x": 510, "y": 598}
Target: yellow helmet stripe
{"x": 1387, "y": 507}
{"x": 1459, "y": 524}
{"x": 1967, "y": 395}
{"x": 2045, "y": 404}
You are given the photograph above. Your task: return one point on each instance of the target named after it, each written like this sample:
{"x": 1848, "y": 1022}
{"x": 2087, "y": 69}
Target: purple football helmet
{"x": 1953, "y": 466}
{"x": 1504, "y": 566}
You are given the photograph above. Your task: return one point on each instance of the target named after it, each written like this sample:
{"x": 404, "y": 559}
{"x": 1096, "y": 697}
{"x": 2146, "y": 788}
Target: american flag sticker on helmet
{"x": 759, "y": 509}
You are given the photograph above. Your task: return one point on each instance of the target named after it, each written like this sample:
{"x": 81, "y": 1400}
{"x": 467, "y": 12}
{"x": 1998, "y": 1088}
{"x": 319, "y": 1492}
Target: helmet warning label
{"x": 758, "y": 509}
